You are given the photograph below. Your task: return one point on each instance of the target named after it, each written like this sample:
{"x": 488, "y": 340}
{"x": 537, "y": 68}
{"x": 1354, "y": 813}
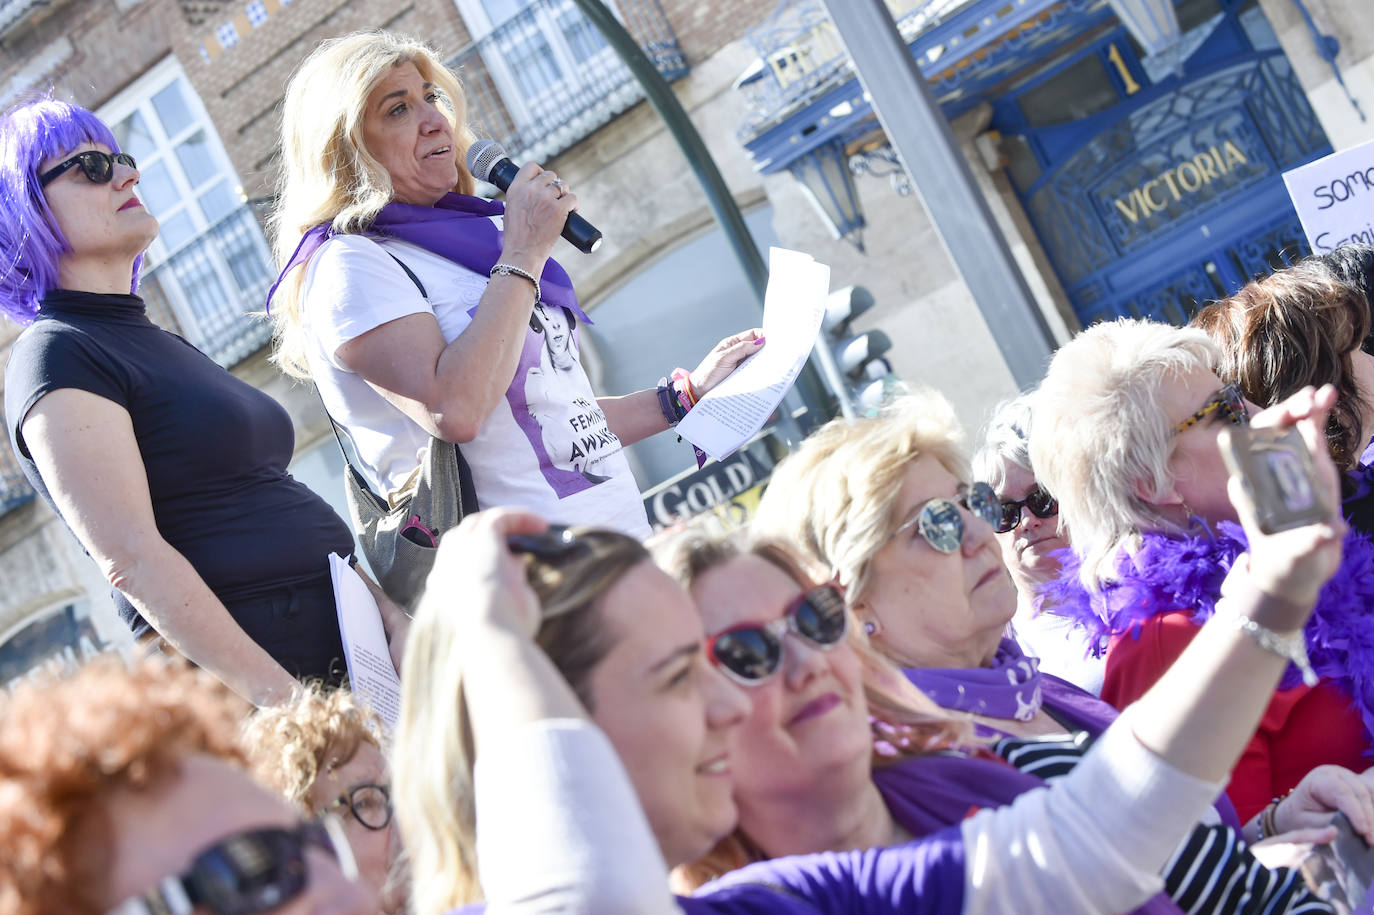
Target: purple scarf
{"x": 1009, "y": 688}
{"x": 458, "y": 228}
{"x": 1185, "y": 573}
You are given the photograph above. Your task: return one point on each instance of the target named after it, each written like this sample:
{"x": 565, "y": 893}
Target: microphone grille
{"x": 482, "y": 155}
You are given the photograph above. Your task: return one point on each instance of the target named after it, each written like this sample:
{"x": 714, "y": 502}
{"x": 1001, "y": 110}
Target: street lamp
{"x": 1153, "y": 23}
{"x": 824, "y": 173}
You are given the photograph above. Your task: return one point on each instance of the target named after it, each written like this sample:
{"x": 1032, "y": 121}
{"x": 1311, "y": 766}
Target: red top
{"x": 1302, "y": 728}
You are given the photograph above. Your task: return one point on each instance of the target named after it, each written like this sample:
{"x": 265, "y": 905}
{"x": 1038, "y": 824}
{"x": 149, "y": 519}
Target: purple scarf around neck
{"x": 1185, "y": 573}
{"x": 458, "y": 227}
{"x": 1009, "y": 688}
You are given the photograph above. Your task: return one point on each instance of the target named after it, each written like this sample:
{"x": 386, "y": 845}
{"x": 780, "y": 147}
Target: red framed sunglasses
{"x": 752, "y": 652}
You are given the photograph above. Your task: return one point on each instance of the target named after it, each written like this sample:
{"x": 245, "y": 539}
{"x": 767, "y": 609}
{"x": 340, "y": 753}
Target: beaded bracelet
{"x": 685, "y": 395}
{"x": 512, "y": 270}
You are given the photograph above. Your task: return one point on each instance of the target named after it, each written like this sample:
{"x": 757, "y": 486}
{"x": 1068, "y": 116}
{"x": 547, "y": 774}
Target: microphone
{"x": 488, "y": 162}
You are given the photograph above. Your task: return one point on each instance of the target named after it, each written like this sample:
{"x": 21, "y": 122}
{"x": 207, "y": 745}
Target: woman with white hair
{"x": 410, "y": 302}
{"x": 1125, "y": 434}
{"x": 518, "y": 738}
{"x": 1031, "y": 539}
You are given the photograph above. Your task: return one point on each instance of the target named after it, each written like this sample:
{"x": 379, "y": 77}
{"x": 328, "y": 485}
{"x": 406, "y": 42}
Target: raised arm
{"x": 85, "y": 449}
{"x": 450, "y": 388}
{"x": 559, "y": 826}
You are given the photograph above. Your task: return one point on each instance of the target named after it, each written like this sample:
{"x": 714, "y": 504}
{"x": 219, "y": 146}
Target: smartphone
{"x": 1277, "y": 471}
{"x": 1340, "y": 872}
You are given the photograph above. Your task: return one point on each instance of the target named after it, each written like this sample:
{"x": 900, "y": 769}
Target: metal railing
{"x": 14, "y": 488}
{"x": 14, "y": 12}
{"x": 800, "y": 53}
{"x": 545, "y": 78}
{"x": 211, "y": 290}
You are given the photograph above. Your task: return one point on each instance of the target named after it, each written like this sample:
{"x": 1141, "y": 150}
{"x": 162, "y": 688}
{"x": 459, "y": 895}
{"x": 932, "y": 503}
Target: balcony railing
{"x": 211, "y": 290}
{"x": 13, "y": 13}
{"x": 14, "y": 488}
{"x": 546, "y": 78}
{"x": 800, "y": 54}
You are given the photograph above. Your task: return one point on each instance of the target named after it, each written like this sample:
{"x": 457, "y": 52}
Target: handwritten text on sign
{"x": 1334, "y": 197}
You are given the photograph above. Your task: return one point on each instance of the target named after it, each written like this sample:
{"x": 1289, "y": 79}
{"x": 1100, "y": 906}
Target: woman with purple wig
{"x": 169, "y": 470}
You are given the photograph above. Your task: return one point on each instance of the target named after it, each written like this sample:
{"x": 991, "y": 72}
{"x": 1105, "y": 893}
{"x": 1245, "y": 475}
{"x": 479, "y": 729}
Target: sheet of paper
{"x": 1334, "y": 197}
{"x": 737, "y": 408}
{"x": 370, "y": 671}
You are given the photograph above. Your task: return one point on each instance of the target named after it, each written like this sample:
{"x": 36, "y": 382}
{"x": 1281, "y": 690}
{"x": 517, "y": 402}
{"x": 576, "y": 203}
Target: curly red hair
{"x": 68, "y": 743}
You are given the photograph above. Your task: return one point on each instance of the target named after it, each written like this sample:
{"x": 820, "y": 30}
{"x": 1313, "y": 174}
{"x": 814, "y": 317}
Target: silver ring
{"x": 561, "y": 185}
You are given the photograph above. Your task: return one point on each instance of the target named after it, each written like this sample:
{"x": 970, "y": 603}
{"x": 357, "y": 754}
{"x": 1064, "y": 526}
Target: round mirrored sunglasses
{"x": 942, "y": 525}
{"x": 752, "y": 652}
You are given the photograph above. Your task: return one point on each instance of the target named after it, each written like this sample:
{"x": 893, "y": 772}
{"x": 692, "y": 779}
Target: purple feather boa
{"x": 1181, "y": 573}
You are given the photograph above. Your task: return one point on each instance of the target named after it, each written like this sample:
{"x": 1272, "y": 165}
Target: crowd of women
{"x": 847, "y": 707}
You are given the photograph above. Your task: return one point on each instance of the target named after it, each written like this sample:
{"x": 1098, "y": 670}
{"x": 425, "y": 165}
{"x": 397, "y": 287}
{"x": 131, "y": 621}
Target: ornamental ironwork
{"x": 546, "y": 78}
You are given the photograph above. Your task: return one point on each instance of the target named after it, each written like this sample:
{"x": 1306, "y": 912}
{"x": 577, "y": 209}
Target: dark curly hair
{"x": 1293, "y": 328}
{"x": 68, "y": 743}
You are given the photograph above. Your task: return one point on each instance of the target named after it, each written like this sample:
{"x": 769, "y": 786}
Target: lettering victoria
{"x": 1187, "y": 177}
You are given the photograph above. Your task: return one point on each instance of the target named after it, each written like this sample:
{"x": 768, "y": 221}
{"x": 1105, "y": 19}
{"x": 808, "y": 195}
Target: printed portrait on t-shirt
{"x": 556, "y": 408}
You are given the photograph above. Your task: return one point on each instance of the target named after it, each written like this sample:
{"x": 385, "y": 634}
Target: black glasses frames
{"x": 1041, "y": 504}
{"x": 248, "y": 873}
{"x": 370, "y": 805}
{"x": 98, "y": 166}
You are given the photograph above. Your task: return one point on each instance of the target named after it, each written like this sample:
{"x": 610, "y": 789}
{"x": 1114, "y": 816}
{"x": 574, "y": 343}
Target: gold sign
{"x": 1187, "y": 177}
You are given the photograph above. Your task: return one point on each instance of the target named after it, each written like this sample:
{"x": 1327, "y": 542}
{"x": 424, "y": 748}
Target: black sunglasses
{"x": 1038, "y": 500}
{"x": 941, "y": 524}
{"x": 248, "y": 873}
{"x": 752, "y": 652}
{"x": 552, "y": 545}
{"x": 1228, "y": 402}
{"x": 369, "y": 804}
{"x": 98, "y": 166}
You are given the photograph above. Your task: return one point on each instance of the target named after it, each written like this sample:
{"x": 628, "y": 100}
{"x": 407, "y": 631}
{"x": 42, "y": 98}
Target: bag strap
{"x": 467, "y": 490}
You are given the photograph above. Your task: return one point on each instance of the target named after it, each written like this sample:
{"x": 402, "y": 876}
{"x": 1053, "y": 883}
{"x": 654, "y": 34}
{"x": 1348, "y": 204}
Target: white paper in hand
{"x": 737, "y": 408}
{"x": 370, "y": 671}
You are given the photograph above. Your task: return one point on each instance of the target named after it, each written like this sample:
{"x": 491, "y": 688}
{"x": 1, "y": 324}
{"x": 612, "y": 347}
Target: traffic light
{"x": 853, "y": 365}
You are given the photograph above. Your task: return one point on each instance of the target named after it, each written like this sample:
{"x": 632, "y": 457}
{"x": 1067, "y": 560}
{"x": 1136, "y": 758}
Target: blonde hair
{"x": 836, "y": 496}
{"x": 1101, "y": 438}
{"x": 893, "y": 701}
{"x": 290, "y": 746}
{"x": 327, "y": 174}
{"x": 433, "y": 756}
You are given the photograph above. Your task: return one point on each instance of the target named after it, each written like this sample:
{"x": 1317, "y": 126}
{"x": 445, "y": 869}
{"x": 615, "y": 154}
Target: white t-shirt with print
{"x": 546, "y": 447}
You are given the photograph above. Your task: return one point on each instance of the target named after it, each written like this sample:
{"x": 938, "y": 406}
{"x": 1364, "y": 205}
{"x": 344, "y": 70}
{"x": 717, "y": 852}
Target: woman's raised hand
{"x": 1324, "y": 791}
{"x": 476, "y": 575}
{"x": 724, "y": 359}
{"x": 537, "y": 206}
{"x": 1293, "y": 565}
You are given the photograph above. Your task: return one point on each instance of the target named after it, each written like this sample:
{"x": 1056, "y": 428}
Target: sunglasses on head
{"x": 941, "y": 523}
{"x": 752, "y": 652}
{"x": 1038, "y": 500}
{"x": 1227, "y": 402}
{"x": 96, "y": 165}
{"x": 248, "y": 873}
{"x": 552, "y": 545}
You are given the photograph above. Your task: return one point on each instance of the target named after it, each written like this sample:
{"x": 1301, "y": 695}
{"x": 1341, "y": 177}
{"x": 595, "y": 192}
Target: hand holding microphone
{"x": 488, "y": 161}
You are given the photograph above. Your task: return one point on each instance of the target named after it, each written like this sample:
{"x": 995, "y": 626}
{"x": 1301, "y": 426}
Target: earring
{"x": 1197, "y": 525}
{"x": 870, "y": 628}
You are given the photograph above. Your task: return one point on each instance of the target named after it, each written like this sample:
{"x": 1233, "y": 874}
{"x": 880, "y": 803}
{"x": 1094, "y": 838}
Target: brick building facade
{"x": 661, "y": 289}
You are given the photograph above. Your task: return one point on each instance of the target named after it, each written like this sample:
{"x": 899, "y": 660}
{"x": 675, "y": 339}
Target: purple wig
{"x": 30, "y": 241}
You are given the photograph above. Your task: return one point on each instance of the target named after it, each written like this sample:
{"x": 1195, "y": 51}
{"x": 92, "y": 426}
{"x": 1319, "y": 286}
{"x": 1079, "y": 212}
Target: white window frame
{"x": 138, "y": 97}
{"x": 524, "y": 109}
